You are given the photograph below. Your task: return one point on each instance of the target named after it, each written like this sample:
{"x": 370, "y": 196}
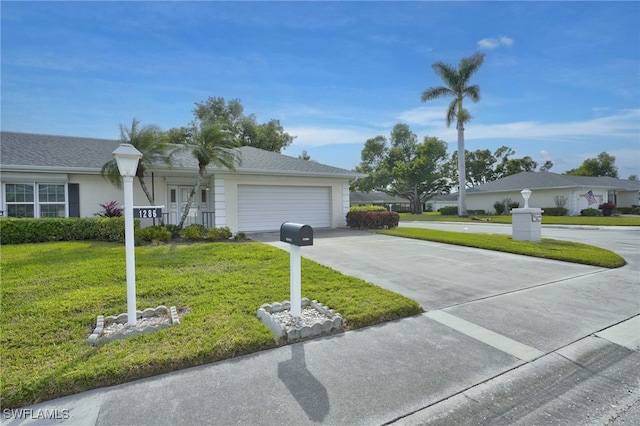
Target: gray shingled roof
{"x": 26, "y": 151}
{"x": 548, "y": 180}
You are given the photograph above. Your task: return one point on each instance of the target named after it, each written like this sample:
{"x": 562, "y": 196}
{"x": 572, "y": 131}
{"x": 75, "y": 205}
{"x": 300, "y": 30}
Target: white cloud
{"x": 492, "y": 43}
{"x": 309, "y": 136}
{"x": 506, "y": 41}
{"x": 622, "y": 124}
{"x": 423, "y": 116}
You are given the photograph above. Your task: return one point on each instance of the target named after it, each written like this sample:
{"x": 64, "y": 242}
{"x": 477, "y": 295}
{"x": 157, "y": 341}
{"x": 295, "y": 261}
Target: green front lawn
{"x": 547, "y": 248}
{"x": 546, "y": 220}
{"x": 52, "y": 292}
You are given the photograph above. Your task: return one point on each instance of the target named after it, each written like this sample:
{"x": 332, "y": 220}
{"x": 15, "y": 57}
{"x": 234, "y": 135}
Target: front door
{"x": 178, "y": 199}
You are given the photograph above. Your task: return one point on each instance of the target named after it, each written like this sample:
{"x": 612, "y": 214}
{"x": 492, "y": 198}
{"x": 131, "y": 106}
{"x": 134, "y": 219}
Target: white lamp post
{"x": 526, "y": 193}
{"x": 127, "y": 157}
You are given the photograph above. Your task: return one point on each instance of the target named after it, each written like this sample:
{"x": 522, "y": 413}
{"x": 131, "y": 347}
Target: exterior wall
{"x": 438, "y": 204}
{"x": 345, "y": 201}
{"x": 231, "y": 182}
{"x": 94, "y": 189}
{"x": 628, "y": 198}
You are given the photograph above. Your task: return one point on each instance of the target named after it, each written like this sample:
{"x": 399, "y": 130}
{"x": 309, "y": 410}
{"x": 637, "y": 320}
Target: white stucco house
{"x": 59, "y": 176}
{"x": 545, "y": 186}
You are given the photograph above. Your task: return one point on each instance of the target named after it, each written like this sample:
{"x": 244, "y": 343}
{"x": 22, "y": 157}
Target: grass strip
{"x": 548, "y": 248}
{"x": 52, "y": 292}
{"x": 546, "y": 220}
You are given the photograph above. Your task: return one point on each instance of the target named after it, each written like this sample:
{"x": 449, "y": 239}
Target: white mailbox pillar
{"x": 297, "y": 235}
{"x": 526, "y": 222}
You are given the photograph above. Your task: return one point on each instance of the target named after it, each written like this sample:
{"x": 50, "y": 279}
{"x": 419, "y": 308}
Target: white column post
{"x": 295, "y": 280}
{"x": 130, "y": 249}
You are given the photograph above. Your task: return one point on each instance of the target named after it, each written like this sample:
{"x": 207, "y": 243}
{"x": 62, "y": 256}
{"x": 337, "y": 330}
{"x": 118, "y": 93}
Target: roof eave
{"x": 48, "y": 169}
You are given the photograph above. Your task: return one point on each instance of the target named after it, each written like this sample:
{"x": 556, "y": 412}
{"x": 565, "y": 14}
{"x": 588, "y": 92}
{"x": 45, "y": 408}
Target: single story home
{"x": 59, "y": 176}
{"x": 399, "y": 204}
{"x": 580, "y": 192}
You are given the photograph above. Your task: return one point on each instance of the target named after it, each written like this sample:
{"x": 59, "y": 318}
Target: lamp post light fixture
{"x": 526, "y": 193}
{"x": 127, "y": 157}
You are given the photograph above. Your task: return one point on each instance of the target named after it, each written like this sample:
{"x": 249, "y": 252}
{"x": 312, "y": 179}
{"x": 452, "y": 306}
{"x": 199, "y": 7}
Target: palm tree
{"x": 150, "y": 142}
{"x": 457, "y": 85}
{"x": 211, "y": 143}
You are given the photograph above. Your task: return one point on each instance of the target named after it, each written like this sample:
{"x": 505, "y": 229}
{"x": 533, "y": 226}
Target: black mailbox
{"x": 296, "y": 234}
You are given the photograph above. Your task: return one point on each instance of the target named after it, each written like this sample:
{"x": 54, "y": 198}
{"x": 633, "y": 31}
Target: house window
{"x": 23, "y": 201}
{"x": 173, "y": 195}
{"x": 20, "y": 199}
{"x": 203, "y": 196}
{"x": 51, "y": 200}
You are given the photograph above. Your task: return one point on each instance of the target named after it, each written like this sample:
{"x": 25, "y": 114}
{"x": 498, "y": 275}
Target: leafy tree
{"x": 211, "y": 143}
{"x": 305, "y": 156}
{"x": 178, "y": 135}
{"x": 404, "y": 168}
{"x": 546, "y": 166}
{"x": 150, "y": 141}
{"x": 482, "y": 166}
{"x": 603, "y": 165}
{"x": 519, "y": 165}
{"x": 479, "y": 167}
{"x": 458, "y": 87}
{"x": 633, "y": 177}
{"x": 269, "y": 136}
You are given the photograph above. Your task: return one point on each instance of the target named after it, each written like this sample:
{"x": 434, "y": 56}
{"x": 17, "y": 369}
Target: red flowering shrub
{"x": 607, "y": 208}
{"x": 372, "y": 220}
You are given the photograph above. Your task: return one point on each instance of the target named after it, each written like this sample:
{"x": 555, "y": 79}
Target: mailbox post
{"x": 296, "y": 235}
{"x": 525, "y": 223}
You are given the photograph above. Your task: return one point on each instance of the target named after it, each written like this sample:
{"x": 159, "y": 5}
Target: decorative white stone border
{"x": 332, "y": 323}
{"x": 103, "y": 322}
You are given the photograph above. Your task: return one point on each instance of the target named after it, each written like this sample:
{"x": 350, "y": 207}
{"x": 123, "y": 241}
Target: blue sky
{"x": 560, "y": 81}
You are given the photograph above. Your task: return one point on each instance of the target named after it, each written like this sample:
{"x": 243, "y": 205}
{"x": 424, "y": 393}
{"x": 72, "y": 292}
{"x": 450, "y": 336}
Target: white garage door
{"x": 265, "y": 208}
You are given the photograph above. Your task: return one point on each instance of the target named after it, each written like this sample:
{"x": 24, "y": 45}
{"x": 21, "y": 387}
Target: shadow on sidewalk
{"x": 310, "y": 394}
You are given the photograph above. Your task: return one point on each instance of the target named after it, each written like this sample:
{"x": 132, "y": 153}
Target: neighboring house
{"x": 545, "y": 186}
{"x": 399, "y": 204}
{"x": 59, "y": 176}
{"x": 374, "y": 198}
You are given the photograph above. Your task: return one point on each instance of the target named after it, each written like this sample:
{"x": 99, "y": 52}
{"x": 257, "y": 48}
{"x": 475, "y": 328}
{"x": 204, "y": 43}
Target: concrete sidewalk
{"x": 506, "y": 340}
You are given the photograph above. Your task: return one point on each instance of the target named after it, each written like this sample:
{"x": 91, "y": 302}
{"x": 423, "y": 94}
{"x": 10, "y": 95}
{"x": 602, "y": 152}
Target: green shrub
{"x": 219, "y": 234}
{"x": 476, "y": 212}
{"x": 448, "y": 211}
{"x": 372, "y": 219}
{"x": 175, "y": 231}
{"x": 590, "y": 212}
{"x": 368, "y": 209}
{"x": 555, "y": 211}
{"x": 513, "y": 205}
{"x": 153, "y": 233}
{"x": 499, "y": 207}
{"x": 240, "y": 236}
{"x": 39, "y": 230}
{"x": 193, "y": 232}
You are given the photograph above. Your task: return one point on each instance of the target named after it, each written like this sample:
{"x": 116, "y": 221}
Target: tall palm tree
{"x": 457, "y": 86}
{"x": 211, "y": 143}
{"x": 150, "y": 142}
